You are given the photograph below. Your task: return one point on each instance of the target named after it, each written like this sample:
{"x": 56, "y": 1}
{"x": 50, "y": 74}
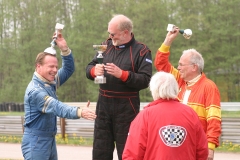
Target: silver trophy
{"x": 51, "y": 49}
{"x": 187, "y": 33}
{"x": 100, "y": 49}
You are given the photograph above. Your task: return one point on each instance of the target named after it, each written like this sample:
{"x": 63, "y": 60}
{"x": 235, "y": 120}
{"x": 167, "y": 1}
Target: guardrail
{"x": 12, "y": 125}
{"x": 231, "y": 130}
{"x": 16, "y": 107}
{"x": 225, "y": 106}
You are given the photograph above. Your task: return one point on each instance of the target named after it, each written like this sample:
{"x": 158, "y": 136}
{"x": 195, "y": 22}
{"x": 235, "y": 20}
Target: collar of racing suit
{"x": 160, "y": 100}
{"x": 126, "y": 44}
{"x": 43, "y": 79}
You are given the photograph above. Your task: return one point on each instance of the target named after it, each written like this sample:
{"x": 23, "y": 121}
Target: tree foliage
{"x": 26, "y": 28}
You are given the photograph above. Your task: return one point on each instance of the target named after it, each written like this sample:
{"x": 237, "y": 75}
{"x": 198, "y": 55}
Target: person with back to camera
{"x": 166, "y": 129}
{"x": 127, "y": 66}
{"x": 42, "y": 106}
{"x": 196, "y": 90}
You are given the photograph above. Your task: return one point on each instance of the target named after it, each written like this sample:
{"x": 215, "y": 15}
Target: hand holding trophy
{"x": 100, "y": 49}
{"x": 51, "y": 49}
{"x": 187, "y": 33}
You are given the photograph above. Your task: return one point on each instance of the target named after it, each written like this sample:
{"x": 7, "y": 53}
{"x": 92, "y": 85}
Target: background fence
{"x": 12, "y": 125}
{"x": 19, "y": 107}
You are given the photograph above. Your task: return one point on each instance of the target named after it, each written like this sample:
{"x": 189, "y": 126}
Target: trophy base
{"x": 100, "y": 80}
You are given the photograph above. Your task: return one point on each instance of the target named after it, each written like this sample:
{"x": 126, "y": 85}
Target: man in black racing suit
{"x": 127, "y": 66}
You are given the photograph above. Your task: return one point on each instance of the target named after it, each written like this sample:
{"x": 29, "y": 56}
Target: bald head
{"x": 120, "y": 29}
{"x": 122, "y": 22}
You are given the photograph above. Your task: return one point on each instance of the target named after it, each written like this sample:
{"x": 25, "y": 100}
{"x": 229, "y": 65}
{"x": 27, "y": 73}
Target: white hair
{"x": 195, "y": 58}
{"x": 163, "y": 85}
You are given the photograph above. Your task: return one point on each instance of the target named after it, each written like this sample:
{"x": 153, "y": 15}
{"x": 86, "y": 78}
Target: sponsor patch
{"x": 148, "y": 60}
{"x": 122, "y": 46}
{"x": 173, "y": 136}
{"x": 46, "y": 97}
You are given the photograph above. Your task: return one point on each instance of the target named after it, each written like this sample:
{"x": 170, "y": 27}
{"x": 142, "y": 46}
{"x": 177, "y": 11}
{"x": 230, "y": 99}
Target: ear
{"x": 37, "y": 66}
{"x": 195, "y": 68}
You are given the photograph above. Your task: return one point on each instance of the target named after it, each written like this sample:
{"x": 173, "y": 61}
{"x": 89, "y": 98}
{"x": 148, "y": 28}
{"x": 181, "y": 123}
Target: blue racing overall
{"x": 42, "y": 107}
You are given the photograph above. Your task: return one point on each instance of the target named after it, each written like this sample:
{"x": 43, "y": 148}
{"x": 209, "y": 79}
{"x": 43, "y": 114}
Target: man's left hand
{"x": 113, "y": 70}
{"x": 210, "y": 154}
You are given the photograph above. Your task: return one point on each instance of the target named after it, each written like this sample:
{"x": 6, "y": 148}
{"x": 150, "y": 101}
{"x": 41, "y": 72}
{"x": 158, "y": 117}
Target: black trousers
{"x": 114, "y": 116}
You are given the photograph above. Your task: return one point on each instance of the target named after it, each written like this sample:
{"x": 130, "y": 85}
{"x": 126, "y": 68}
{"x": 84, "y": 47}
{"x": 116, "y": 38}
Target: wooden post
{"x": 22, "y": 120}
{"x": 62, "y": 124}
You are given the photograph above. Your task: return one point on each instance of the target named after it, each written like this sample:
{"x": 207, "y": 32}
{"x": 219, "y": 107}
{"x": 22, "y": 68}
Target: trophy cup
{"x": 51, "y": 49}
{"x": 100, "y": 49}
{"x": 187, "y": 33}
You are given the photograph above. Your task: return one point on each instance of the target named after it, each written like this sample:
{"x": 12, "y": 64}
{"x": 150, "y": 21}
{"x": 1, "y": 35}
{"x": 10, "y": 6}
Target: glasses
{"x": 180, "y": 64}
{"x": 113, "y": 34}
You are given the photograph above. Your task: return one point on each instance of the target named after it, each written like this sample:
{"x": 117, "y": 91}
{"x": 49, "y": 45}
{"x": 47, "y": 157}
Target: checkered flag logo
{"x": 173, "y": 136}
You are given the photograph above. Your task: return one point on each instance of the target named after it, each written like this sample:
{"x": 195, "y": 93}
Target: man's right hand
{"x": 171, "y": 35}
{"x": 87, "y": 113}
{"x": 61, "y": 42}
{"x": 99, "y": 69}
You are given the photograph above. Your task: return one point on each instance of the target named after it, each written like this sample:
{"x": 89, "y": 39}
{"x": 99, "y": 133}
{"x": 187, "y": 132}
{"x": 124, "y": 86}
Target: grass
{"x": 228, "y": 147}
{"x": 74, "y": 140}
{"x": 231, "y": 114}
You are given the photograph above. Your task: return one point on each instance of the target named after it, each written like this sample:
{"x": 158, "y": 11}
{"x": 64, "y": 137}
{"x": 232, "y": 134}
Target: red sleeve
{"x": 213, "y": 114}
{"x": 161, "y": 61}
{"x": 92, "y": 72}
{"x": 124, "y": 76}
{"x": 202, "y": 143}
{"x": 162, "y": 64}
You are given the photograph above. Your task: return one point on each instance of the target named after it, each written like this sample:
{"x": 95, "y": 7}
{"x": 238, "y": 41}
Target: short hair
{"x": 124, "y": 22}
{"x": 195, "y": 57}
{"x": 163, "y": 85}
{"x": 40, "y": 57}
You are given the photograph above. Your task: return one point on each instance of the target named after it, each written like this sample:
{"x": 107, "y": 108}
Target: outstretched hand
{"x": 87, "y": 113}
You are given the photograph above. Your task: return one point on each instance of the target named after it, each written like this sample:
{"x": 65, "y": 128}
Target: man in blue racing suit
{"x": 42, "y": 106}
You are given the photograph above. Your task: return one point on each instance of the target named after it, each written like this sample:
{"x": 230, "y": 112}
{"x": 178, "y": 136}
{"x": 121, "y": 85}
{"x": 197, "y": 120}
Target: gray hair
{"x": 195, "y": 58}
{"x": 163, "y": 85}
{"x": 124, "y": 22}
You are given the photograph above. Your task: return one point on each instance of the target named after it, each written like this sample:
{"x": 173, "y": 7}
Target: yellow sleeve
{"x": 211, "y": 145}
{"x": 164, "y": 49}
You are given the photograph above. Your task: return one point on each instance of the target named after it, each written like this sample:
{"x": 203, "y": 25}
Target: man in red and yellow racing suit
{"x": 195, "y": 89}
